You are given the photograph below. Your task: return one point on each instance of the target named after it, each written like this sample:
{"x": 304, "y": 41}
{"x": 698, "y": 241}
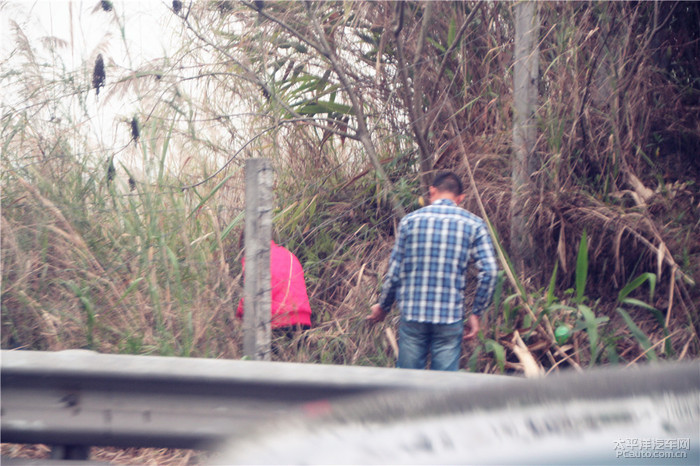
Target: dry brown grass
{"x": 125, "y": 456}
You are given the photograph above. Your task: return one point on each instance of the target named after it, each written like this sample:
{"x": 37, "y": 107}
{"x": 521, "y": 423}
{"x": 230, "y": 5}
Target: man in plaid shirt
{"x": 427, "y": 276}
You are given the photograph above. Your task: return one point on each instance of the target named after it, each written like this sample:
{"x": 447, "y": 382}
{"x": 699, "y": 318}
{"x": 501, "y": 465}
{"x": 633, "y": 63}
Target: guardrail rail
{"x": 76, "y": 399}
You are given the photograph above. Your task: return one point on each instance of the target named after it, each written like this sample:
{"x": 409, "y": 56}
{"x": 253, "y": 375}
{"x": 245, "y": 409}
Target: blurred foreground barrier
{"x": 641, "y": 415}
{"x": 76, "y": 399}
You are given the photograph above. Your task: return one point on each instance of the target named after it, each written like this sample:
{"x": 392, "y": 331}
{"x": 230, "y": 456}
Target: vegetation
{"x": 130, "y": 245}
{"x": 128, "y": 242}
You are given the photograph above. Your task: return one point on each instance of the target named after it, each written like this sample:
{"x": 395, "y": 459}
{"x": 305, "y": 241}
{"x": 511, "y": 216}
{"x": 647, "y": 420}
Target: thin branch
{"x": 251, "y": 76}
{"x": 284, "y": 25}
{"x": 451, "y": 49}
{"x": 250, "y": 141}
{"x": 413, "y": 102}
{"x": 362, "y": 132}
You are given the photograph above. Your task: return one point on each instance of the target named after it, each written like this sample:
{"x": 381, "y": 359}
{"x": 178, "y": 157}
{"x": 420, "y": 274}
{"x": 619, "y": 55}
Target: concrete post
{"x": 256, "y": 286}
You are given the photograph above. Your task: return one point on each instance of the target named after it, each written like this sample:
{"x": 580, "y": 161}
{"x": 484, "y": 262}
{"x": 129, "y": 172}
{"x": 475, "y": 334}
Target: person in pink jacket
{"x": 290, "y": 301}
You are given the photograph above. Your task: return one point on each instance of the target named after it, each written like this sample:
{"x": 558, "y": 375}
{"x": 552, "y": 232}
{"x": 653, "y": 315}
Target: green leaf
{"x": 451, "y": 32}
{"x": 552, "y": 283}
{"x": 613, "y": 357}
{"x": 591, "y": 324}
{"x": 307, "y": 83}
{"x": 582, "y": 267}
{"x": 231, "y": 225}
{"x": 164, "y": 152}
{"x": 637, "y": 302}
{"x": 131, "y": 288}
{"x": 325, "y": 107}
{"x": 497, "y": 244}
{"x": 367, "y": 38}
{"x": 336, "y": 107}
{"x": 301, "y": 48}
{"x": 208, "y": 196}
{"x": 311, "y": 109}
{"x": 658, "y": 314}
{"x": 468, "y": 105}
{"x": 323, "y": 81}
{"x": 498, "y": 351}
{"x": 636, "y": 283}
{"x": 474, "y": 359}
{"x": 437, "y": 45}
{"x": 556, "y": 307}
{"x": 498, "y": 290}
{"x": 639, "y": 335}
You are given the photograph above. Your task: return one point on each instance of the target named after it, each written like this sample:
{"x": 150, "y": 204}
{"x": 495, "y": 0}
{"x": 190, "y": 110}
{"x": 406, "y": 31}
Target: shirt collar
{"x": 444, "y": 202}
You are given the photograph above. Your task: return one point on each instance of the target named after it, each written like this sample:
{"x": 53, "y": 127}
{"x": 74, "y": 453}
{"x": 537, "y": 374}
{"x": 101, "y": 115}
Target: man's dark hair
{"x": 447, "y": 181}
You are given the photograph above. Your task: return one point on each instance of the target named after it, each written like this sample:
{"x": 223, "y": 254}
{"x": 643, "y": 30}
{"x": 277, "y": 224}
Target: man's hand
{"x": 377, "y": 314}
{"x": 473, "y": 324}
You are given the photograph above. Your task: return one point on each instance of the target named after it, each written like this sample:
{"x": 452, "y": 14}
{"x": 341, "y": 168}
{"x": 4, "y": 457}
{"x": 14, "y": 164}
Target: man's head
{"x": 446, "y": 185}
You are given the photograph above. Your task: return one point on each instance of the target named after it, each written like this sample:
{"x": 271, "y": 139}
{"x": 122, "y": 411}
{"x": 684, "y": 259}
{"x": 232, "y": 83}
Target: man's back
{"x": 430, "y": 259}
{"x": 427, "y": 275}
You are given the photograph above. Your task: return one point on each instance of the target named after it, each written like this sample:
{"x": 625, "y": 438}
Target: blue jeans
{"x": 442, "y": 341}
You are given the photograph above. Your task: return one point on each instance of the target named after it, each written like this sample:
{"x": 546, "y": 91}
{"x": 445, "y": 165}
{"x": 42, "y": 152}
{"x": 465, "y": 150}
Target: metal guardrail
{"x": 75, "y": 399}
{"x": 647, "y": 414}
{"x": 269, "y": 412}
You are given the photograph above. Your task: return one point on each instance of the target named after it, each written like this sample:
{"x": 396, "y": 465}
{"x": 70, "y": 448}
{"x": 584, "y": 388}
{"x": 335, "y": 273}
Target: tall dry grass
{"x": 130, "y": 248}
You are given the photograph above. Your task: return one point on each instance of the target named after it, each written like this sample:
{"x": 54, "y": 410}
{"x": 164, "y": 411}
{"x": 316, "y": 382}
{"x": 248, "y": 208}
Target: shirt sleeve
{"x": 485, "y": 262}
{"x": 392, "y": 280}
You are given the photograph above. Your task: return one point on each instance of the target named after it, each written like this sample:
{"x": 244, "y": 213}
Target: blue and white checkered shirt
{"x": 428, "y": 265}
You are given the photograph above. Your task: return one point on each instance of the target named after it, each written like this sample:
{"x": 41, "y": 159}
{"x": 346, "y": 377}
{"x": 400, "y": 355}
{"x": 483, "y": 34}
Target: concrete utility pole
{"x": 525, "y": 93}
{"x": 256, "y": 284}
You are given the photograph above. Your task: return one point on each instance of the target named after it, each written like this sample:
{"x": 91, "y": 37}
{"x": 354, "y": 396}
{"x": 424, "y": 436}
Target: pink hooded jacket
{"x": 290, "y": 301}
